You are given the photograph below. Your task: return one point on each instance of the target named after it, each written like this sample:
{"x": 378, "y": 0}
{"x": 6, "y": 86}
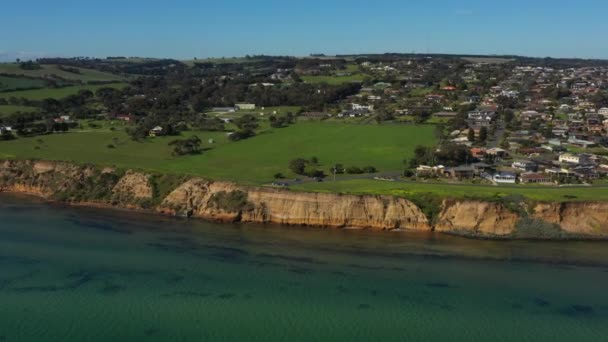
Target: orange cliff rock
{"x": 588, "y": 218}
{"x": 477, "y": 218}
{"x": 266, "y": 205}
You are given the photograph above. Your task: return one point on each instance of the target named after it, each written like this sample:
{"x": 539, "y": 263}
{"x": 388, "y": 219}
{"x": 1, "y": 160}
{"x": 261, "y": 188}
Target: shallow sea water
{"x": 80, "y": 274}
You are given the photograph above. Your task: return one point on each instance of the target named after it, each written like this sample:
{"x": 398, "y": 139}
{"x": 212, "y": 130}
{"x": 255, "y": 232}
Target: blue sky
{"x": 188, "y": 28}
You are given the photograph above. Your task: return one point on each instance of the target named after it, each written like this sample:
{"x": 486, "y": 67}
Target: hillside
{"x": 54, "y": 72}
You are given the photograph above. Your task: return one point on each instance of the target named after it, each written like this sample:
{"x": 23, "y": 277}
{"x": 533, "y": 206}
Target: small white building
{"x": 156, "y": 131}
{"x": 505, "y": 178}
{"x": 244, "y": 106}
{"x": 572, "y": 158}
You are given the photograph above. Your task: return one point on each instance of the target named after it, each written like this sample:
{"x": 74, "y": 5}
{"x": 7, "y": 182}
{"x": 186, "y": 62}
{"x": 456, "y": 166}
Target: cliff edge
{"x": 228, "y": 202}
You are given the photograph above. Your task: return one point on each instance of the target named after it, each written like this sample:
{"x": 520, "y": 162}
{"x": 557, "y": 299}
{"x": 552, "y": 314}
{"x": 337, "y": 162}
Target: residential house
{"x": 603, "y": 112}
{"x": 356, "y": 106}
{"x": 586, "y": 172}
{"x": 532, "y": 115}
{"x": 505, "y": 178}
{"x": 575, "y": 158}
{"x": 497, "y": 152}
{"x": 535, "y": 178}
{"x": 461, "y": 172}
{"x": 478, "y": 153}
{"x": 524, "y": 165}
{"x": 156, "y": 131}
{"x": 426, "y": 171}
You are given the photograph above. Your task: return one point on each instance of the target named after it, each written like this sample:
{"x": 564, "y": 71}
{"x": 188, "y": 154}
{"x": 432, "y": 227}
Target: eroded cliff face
{"x": 588, "y": 218}
{"x": 134, "y": 184}
{"x": 266, "y": 205}
{"x": 228, "y": 202}
{"x": 476, "y": 218}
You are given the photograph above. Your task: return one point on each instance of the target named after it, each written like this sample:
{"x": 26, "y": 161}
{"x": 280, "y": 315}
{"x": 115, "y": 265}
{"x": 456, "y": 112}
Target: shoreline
{"x": 142, "y": 211}
{"x": 224, "y": 202}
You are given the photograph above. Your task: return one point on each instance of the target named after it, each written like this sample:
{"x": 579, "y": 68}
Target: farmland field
{"x": 333, "y": 79}
{"x": 53, "y": 71}
{"x": 252, "y": 161}
{"x": 57, "y": 93}
{"x": 460, "y": 191}
{"x": 15, "y": 83}
{"x": 10, "y": 109}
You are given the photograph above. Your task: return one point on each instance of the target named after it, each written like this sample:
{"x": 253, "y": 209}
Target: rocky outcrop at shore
{"x": 228, "y": 202}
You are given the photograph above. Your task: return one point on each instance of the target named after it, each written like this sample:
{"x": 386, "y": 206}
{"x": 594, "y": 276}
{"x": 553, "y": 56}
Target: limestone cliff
{"x": 589, "y": 218}
{"x": 266, "y": 205}
{"x": 476, "y": 218}
{"x": 222, "y": 201}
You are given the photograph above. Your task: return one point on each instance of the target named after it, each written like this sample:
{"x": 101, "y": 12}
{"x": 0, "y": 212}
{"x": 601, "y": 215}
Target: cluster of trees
{"x": 447, "y": 154}
{"x": 207, "y": 123}
{"x": 69, "y": 69}
{"x": 30, "y": 65}
{"x": 247, "y": 125}
{"x": 281, "y": 121}
{"x": 187, "y": 146}
{"x": 306, "y": 167}
{"x": 217, "y": 93}
{"x": 352, "y": 170}
{"x": 483, "y": 135}
{"x": 142, "y": 129}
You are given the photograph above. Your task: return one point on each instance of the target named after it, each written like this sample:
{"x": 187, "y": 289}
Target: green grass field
{"x": 333, "y": 79}
{"x": 458, "y": 191}
{"x": 252, "y": 161}
{"x": 14, "y": 83}
{"x": 10, "y": 109}
{"x": 57, "y": 93}
{"x": 47, "y": 71}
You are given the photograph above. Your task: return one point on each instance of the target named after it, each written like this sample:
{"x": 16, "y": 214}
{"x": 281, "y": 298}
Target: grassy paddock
{"x": 252, "y": 161}
{"x": 15, "y": 83}
{"x": 48, "y": 71}
{"x": 10, "y": 109}
{"x": 333, "y": 79}
{"x": 56, "y": 93}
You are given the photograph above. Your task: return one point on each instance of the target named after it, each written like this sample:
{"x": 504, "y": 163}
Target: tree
{"x": 247, "y": 122}
{"x": 314, "y": 161}
{"x": 353, "y": 170}
{"x": 241, "y": 135}
{"x": 483, "y": 134}
{"x": 298, "y": 166}
{"x": 370, "y": 169}
{"x": 471, "y": 135}
{"x": 182, "y": 147}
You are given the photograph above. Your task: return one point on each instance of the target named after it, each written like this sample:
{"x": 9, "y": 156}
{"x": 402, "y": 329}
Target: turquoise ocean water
{"x": 79, "y": 274}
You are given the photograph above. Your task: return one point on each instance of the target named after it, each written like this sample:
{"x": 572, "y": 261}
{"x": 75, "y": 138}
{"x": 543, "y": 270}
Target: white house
{"x": 356, "y": 106}
{"x": 505, "y": 178}
{"x": 572, "y": 158}
{"x": 156, "y": 131}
